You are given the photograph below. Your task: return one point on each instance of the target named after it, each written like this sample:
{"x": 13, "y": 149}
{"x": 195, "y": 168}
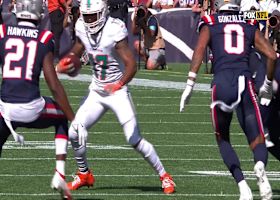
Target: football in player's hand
{"x": 70, "y": 65}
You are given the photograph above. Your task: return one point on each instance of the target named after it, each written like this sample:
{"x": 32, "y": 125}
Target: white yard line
{"x": 126, "y": 194}
{"x": 146, "y": 83}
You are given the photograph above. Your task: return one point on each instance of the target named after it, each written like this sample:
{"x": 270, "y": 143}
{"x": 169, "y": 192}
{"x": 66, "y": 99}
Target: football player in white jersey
{"x": 105, "y": 40}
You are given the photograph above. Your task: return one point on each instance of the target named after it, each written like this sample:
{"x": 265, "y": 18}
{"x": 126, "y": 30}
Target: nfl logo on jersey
{"x": 255, "y": 15}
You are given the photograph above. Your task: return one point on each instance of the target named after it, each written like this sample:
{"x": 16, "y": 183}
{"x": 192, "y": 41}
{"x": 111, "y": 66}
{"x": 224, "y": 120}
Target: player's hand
{"x": 113, "y": 87}
{"x": 81, "y": 130}
{"x": 186, "y": 94}
{"x": 265, "y": 93}
{"x": 65, "y": 65}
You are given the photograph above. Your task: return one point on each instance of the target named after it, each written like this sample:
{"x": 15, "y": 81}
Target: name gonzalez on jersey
{"x": 231, "y": 18}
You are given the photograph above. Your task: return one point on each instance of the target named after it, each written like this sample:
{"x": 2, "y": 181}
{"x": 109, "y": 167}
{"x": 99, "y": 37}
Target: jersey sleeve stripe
{"x": 252, "y": 22}
{"x": 45, "y": 37}
{"x": 209, "y": 19}
{"x": 2, "y": 31}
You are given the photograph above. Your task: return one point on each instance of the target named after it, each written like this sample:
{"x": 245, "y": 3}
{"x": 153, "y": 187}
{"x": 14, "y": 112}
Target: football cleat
{"x": 80, "y": 180}
{"x": 58, "y": 183}
{"x": 264, "y": 186}
{"x": 245, "y": 191}
{"x": 167, "y": 184}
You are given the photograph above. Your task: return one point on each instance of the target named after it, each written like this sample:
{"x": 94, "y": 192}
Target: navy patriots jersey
{"x": 231, "y": 39}
{"x": 22, "y": 53}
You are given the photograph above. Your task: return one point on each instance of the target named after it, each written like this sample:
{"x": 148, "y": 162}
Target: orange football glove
{"x": 113, "y": 87}
{"x": 65, "y": 65}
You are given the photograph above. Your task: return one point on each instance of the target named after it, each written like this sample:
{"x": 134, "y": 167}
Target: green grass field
{"x": 184, "y": 141}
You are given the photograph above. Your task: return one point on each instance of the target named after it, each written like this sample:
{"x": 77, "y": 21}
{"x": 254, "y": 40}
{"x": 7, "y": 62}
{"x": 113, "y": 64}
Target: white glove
{"x": 186, "y": 94}
{"x": 81, "y": 130}
{"x": 265, "y": 93}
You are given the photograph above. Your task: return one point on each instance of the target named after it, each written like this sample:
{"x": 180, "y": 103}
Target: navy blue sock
{"x": 231, "y": 160}
{"x": 260, "y": 153}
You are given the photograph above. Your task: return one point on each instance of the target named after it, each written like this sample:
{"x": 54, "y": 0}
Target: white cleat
{"x": 264, "y": 186}
{"x": 268, "y": 142}
{"x": 58, "y": 183}
{"x": 245, "y": 191}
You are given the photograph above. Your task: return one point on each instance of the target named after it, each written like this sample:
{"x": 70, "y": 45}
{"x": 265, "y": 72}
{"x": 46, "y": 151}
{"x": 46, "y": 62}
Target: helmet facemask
{"x": 94, "y": 14}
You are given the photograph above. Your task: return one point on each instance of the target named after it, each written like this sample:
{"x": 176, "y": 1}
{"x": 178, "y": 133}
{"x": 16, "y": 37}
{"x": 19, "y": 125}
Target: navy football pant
{"x": 225, "y": 88}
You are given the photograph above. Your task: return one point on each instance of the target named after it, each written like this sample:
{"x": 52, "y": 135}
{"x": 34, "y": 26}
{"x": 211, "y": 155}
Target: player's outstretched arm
{"x": 56, "y": 87}
{"x": 203, "y": 39}
{"x": 263, "y": 45}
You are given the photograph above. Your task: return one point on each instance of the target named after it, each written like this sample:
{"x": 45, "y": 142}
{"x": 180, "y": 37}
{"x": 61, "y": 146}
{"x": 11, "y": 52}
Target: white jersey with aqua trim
{"x": 107, "y": 67}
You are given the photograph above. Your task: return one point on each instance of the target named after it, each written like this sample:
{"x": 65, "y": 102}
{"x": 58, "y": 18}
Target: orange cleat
{"x": 167, "y": 184}
{"x": 81, "y": 180}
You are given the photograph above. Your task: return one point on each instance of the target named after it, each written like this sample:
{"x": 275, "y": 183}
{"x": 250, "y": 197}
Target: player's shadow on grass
{"x": 87, "y": 198}
{"x": 141, "y": 188}
{"x": 80, "y": 198}
{"x": 274, "y": 193}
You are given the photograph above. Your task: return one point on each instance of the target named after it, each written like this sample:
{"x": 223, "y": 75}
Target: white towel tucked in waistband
{"x": 230, "y": 108}
{"x": 21, "y": 112}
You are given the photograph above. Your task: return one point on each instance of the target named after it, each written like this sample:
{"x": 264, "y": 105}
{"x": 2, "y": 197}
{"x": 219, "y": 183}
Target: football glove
{"x": 265, "y": 93}
{"x": 186, "y": 94}
{"x": 65, "y": 65}
{"x": 113, "y": 87}
{"x": 81, "y": 131}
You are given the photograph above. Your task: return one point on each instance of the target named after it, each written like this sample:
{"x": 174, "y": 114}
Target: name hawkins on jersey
{"x": 25, "y": 32}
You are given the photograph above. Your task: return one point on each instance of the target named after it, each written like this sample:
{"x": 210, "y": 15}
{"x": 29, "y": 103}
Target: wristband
{"x": 121, "y": 83}
{"x": 192, "y": 75}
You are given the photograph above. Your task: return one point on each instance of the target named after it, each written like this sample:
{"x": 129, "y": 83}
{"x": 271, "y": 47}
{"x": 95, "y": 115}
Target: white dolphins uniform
{"x": 107, "y": 68}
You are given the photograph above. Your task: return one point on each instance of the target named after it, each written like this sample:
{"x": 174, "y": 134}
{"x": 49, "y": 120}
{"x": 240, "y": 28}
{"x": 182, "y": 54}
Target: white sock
{"x": 60, "y": 146}
{"x": 60, "y": 167}
{"x": 148, "y": 152}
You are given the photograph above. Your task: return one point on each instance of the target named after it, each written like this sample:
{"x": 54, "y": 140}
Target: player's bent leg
{"x": 255, "y": 136}
{"x": 221, "y": 121}
{"x": 84, "y": 177}
{"x": 147, "y": 150}
{"x": 88, "y": 114}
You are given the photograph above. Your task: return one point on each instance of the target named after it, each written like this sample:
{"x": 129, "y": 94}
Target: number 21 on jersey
{"x": 10, "y": 70}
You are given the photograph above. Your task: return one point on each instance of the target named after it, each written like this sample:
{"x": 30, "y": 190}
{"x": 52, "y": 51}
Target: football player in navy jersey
{"x": 25, "y": 52}
{"x": 230, "y": 39}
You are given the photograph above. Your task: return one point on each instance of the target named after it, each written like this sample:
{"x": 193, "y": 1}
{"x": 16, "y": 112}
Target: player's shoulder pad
{"x": 116, "y": 24}
{"x": 206, "y": 20}
{"x": 2, "y": 30}
{"x": 116, "y": 27}
{"x": 45, "y": 36}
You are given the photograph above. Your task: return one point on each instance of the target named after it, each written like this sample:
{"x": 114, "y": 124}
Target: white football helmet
{"x": 29, "y": 9}
{"x": 227, "y": 5}
{"x": 94, "y": 13}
